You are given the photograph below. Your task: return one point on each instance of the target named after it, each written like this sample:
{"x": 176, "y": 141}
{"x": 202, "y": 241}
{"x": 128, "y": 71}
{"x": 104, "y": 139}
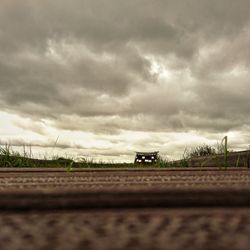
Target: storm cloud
{"x": 113, "y": 67}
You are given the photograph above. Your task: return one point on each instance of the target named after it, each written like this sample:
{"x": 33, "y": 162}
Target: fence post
{"x": 225, "y": 152}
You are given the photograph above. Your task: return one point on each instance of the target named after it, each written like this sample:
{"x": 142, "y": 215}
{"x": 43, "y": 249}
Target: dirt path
{"x": 125, "y": 209}
{"x": 38, "y": 179}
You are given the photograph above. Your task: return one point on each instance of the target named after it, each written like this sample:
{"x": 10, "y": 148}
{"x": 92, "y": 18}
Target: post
{"x": 225, "y": 152}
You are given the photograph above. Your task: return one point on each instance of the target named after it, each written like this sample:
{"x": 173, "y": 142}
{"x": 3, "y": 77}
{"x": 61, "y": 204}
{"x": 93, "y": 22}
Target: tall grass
{"x": 11, "y": 158}
{"x": 204, "y": 150}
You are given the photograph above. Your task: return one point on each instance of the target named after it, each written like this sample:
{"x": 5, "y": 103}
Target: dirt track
{"x": 114, "y": 209}
{"x": 118, "y": 179}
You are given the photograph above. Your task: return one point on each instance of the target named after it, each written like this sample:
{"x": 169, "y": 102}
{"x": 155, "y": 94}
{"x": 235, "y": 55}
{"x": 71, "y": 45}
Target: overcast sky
{"x": 110, "y": 77}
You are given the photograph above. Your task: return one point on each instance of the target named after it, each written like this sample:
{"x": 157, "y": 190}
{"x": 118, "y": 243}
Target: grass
{"x": 204, "y": 150}
{"x": 11, "y": 158}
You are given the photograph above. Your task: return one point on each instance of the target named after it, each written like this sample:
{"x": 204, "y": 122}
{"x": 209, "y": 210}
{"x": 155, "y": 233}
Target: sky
{"x": 102, "y": 79}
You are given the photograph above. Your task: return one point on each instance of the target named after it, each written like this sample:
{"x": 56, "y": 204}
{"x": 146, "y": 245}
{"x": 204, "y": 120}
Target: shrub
{"x": 204, "y": 150}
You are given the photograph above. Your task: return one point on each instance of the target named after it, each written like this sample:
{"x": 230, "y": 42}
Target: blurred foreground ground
{"x": 124, "y": 209}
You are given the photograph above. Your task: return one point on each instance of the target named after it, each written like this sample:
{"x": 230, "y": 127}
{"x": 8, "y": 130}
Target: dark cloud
{"x": 113, "y": 66}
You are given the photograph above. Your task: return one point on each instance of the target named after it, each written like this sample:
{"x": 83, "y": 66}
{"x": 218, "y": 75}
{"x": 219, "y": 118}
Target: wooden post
{"x": 225, "y": 152}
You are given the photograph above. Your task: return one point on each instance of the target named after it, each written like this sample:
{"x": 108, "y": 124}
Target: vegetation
{"x": 11, "y": 158}
{"x": 204, "y": 150}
